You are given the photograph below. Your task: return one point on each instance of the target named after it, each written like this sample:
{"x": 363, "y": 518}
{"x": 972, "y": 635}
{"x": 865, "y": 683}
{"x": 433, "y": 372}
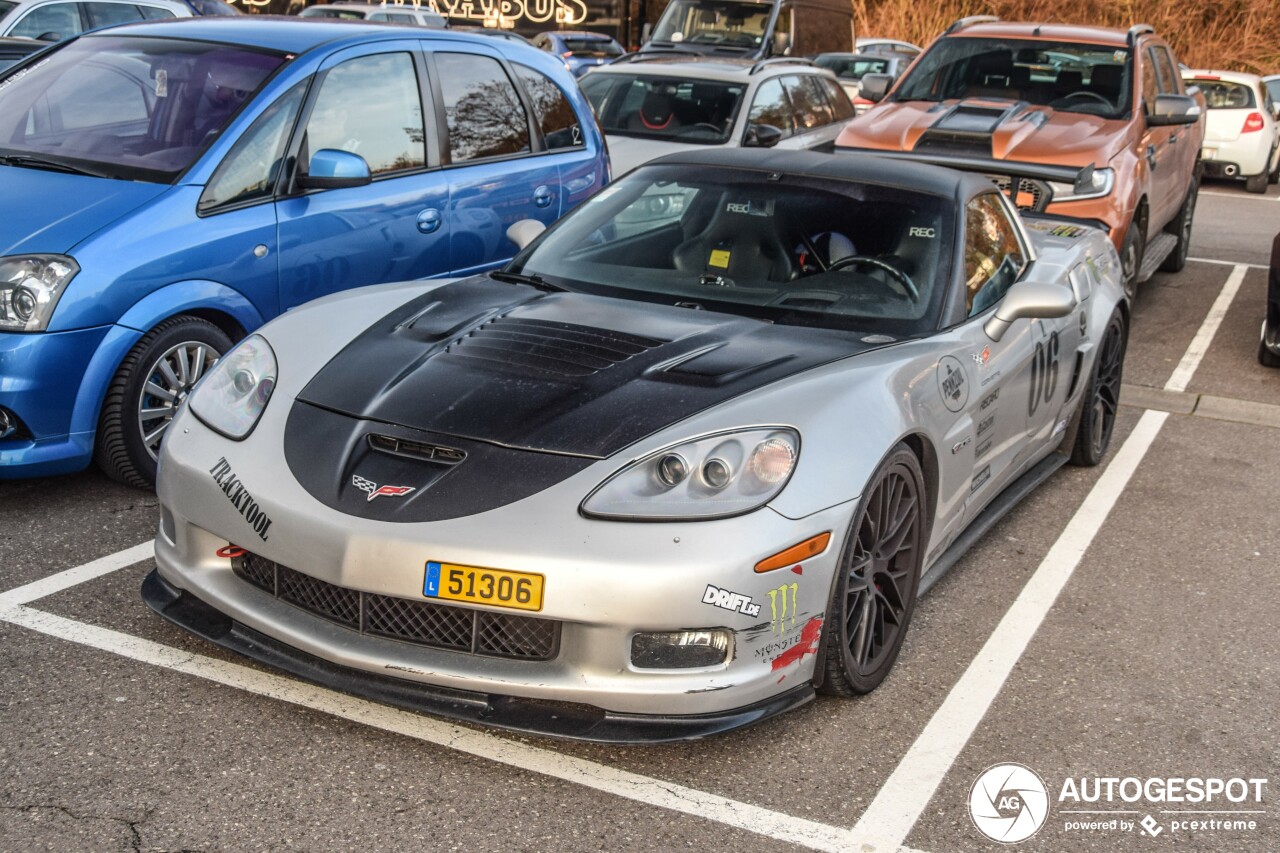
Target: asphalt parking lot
{"x": 1120, "y": 623}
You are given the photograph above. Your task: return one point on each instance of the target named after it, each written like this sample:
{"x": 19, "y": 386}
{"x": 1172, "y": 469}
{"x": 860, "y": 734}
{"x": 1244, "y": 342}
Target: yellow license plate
{"x": 474, "y": 585}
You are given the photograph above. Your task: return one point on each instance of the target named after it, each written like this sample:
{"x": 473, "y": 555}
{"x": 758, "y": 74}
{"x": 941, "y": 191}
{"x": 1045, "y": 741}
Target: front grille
{"x": 543, "y": 346}
{"x": 1038, "y": 192}
{"x": 440, "y": 626}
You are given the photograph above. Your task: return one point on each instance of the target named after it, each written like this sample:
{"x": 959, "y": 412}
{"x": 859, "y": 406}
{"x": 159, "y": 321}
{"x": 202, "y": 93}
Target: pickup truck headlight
{"x": 716, "y": 476}
{"x": 232, "y": 397}
{"x": 30, "y": 286}
{"x": 1095, "y": 185}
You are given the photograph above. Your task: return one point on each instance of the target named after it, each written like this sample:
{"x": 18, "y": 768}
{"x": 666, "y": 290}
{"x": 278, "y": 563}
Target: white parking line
{"x": 1249, "y": 196}
{"x": 63, "y": 580}
{"x": 1228, "y": 263}
{"x": 899, "y": 803}
{"x": 631, "y": 786}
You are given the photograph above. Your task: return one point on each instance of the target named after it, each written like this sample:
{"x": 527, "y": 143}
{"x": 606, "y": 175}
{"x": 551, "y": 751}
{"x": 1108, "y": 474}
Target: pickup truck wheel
{"x": 1181, "y": 228}
{"x": 1256, "y": 183}
{"x": 153, "y": 380}
{"x": 1131, "y": 252}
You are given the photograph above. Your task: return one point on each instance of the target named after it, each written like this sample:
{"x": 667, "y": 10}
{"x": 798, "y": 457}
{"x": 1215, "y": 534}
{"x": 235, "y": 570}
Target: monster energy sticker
{"x": 778, "y": 607}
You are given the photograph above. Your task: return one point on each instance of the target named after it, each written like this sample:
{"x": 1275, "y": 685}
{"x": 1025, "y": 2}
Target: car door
{"x": 366, "y": 101}
{"x": 495, "y": 176}
{"x": 1160, "y": 145}
{"x": 562, "y": 137}
{"x": 999, "y": 373}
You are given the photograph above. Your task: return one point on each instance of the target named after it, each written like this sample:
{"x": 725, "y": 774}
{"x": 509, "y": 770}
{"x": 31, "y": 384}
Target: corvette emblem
{"x": 373, "y": 490}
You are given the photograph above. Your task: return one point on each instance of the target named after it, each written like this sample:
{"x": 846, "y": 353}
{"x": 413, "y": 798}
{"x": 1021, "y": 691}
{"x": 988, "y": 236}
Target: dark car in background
{"x": 581, "y": 51}
{"x": 1269, "y": 345}
{"x": 850, "y": 68}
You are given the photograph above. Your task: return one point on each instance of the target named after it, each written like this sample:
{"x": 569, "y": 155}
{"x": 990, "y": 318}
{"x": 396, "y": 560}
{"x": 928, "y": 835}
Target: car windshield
{"x": 796, "y": 250}
{"x": 852, "y": 67}
{"x": 1224, "y": 94}
{"x": 592, "y": 47}
{"x": 135, "y": 108}
{"x": 1080, "y": 78}
{"x": 723, "y": 24}
{"x": 700, "y": 112}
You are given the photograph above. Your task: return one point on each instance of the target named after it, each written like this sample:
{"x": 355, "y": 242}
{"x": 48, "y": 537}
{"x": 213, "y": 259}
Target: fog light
{"x": 9, "y": 423}
{"x": 680, "y": 649}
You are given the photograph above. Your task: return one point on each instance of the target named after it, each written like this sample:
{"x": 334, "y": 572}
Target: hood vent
{"x": 548, "y": 348}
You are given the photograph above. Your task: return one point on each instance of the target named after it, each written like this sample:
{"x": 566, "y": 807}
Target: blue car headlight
{"x": 233, "y": 396}
{"x": 715, "y": 476}
{"x": 30, "y": 287}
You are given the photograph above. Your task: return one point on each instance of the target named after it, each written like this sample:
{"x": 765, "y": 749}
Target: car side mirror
{"x": 762, "y": 136}
{"x": 332, "y": 169}
{"x": 522, "y": 232}
{"x": 50, "y": 36}
{"x": 876, "y": 86}
{"x": 1030, "y": 299}
{"x": 1173, "y": 109}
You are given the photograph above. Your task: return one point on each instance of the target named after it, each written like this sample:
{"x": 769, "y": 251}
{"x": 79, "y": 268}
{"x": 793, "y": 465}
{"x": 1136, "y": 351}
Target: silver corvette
{"x": 688, "y": 459}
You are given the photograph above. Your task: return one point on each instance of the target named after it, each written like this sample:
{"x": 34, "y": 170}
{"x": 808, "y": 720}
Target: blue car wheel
{"x": 142, "y": 399}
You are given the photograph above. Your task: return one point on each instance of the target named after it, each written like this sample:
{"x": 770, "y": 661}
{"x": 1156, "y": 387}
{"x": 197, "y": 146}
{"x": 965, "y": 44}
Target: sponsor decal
{"x": 719, "y": 258}
{"x": 917, "y": 231}
{"x": 981, "y": 450}
{"x": 980, "y": 479}
{"x": 1044, "y": 374}
{"x": 729, "y": 600}
{"x": 240, "y": 498}
{"x": 778, "y": 606}
{"x": 986, "y": 423}
{"x": 961, "y": 445}
{"x": 373, "y": 490}
{"x": 989, "y": 400}
{"x": 1009, "y": 803}
{"x": 952, "y": 383}
{"x": 987, "y": 380}
{"x": 981, "y": 358}
{"x": 806, "y": 644}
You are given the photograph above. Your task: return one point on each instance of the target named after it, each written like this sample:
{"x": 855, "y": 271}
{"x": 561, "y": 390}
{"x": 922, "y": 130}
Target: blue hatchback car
{"x": 581, "y": 51}
{"x": 167, "y": 187}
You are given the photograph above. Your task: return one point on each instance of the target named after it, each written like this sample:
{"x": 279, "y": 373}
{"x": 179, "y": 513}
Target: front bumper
{"x": 605, "y": 582}
{"x": 42, "y": 375}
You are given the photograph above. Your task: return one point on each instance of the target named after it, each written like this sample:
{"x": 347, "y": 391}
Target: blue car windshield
{"x": 797, "y": 250}
{"x": 133, "y": 108}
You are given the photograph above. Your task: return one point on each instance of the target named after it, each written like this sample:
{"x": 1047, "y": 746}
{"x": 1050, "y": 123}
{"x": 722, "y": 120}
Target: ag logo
{"x": 1009, "y": 803}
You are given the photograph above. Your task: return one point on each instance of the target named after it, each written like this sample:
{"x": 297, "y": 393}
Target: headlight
{"x": 1093, "y": 184}
{"x": 30, "y": 286}
{"x": 232, "y": 397}
{"x": 711, "y": 477}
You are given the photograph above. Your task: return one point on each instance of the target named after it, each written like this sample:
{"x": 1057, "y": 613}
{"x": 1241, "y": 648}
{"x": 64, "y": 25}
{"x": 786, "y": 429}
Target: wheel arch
{"x": 927, "y": 456}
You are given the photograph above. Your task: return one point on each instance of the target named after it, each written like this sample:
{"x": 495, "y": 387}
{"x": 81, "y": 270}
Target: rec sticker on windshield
{"x": 750, "y": 208}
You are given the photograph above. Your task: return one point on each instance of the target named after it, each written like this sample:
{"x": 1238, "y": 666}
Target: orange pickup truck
{"x": 1086, "y": 122}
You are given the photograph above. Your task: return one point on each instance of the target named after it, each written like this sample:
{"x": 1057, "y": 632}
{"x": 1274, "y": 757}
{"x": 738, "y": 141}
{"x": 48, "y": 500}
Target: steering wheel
{"x": 913, "y": 293}
{"x": 702, "y": 125}
{"x": 1084, "y": 93}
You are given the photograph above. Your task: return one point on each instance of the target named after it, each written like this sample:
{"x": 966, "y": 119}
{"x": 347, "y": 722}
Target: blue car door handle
{"x": 542, "y": 196}
{"x": 429, "y": 220}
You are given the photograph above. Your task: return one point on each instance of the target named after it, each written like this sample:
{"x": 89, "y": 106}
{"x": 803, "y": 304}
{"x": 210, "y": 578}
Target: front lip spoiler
{"x": 557, "y": 719}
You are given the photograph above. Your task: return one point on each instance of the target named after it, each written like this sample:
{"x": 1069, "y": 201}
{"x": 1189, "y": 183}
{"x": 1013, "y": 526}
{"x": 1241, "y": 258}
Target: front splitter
{"x": 573, "y": 721}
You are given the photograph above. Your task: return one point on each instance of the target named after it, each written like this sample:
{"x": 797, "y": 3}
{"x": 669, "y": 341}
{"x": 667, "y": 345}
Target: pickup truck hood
{"x": 43, "y": 211}
{"x": 994, "y": 129}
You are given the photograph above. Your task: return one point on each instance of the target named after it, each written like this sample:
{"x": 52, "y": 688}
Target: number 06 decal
{"x": 1044, "y": 373}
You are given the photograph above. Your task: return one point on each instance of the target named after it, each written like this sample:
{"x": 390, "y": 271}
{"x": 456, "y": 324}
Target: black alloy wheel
{"x": 1131, "y": 252}
{"x": 1102, "y": 396}
{"x": 877, "y": 578}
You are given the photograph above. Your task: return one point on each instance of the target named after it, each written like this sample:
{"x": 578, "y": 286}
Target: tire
{"x": 1131, "y": 252}
{"x": 874, "y": 593}
{"x": 1273, "y": 177}
{"x": 1101, "y": 396}
{"x": 1265, "y": 356}
{"x": 1181, "y": 228}
{"x": 136, "y": 411}
{"x": 1256, "y": 183}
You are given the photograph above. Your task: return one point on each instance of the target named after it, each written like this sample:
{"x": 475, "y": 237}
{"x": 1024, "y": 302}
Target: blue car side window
{"x": 560, "y": 128}
{"x": 249, "y": 172}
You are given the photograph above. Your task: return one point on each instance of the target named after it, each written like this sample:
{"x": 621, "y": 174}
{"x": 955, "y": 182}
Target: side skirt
{"x": 996, "y": 510}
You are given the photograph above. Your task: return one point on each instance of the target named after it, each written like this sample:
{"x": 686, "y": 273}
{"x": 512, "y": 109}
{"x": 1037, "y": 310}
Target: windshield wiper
{"x": 531, "y": 280}
{"x": 29, "y": 162}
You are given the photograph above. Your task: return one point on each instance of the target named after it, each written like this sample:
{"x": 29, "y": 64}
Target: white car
{"x": 887, "y": 46}
{"x": 650, "y": 105}
{"x": 55, "y": 20}
{"x": 1242, "y": 133}
{"x": 387, "y": 13}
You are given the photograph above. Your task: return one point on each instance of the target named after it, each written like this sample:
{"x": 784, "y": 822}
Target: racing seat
{"x": 656, "y": 113}
{"x": 741, "y": 243}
